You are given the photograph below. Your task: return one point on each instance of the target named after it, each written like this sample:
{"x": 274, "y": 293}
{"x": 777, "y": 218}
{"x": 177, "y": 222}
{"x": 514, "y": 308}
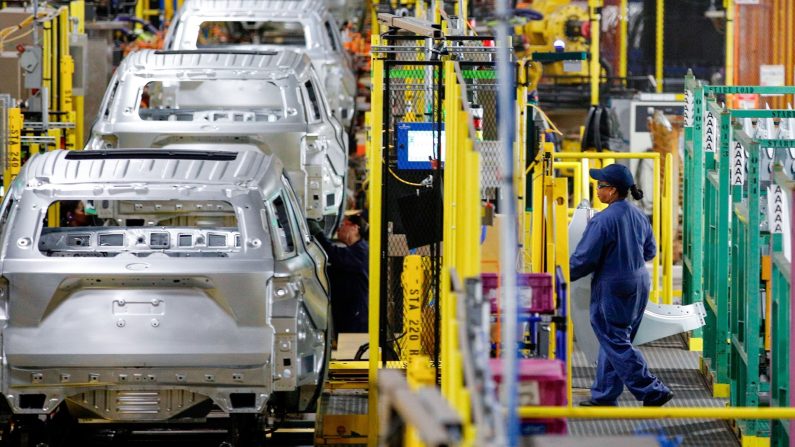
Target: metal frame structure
{"x": 216, "y": 107}
{"x": 697, "y": 165}
{"x": 721, "y": 194}
{"x": 323, "y": 42}
{"x": 236, "y": 315}
{"x": 744, "y": 273}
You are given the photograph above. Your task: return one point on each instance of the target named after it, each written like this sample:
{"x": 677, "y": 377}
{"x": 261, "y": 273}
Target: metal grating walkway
{"x": 670, "y": 360}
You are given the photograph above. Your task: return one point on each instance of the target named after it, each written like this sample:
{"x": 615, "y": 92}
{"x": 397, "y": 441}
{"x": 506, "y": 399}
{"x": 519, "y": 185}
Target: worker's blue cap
{"x": 615, "y": 174}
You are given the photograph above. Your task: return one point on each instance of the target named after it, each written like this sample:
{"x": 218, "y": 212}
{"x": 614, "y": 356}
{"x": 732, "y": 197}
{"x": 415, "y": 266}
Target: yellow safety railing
{"x": 579, "y": 183}
{"x": 548, "y": 235}
{"x": 77, "y": 10}
{"x": 658, "y": 412}
{"x": 663, "y": 217}
{"x": 594, "y": 67}
{"x": 461, "y": 250}
{"x": 375, "y": 162}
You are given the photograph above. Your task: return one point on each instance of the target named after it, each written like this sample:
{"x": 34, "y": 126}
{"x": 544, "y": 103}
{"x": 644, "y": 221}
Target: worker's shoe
{"x": 593, "y": 403}
{"x": 659, "y": 401}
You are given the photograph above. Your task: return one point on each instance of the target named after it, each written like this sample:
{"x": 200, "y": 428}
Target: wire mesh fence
{"x": 411, "y": 190}
{"x": 481, "y": 91}
{"x": 411, "y": 196}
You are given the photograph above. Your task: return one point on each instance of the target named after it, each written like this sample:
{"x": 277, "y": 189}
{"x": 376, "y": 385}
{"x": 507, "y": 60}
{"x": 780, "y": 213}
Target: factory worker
{"x": 348, "y": 272}
{"x": 615, "y": 247}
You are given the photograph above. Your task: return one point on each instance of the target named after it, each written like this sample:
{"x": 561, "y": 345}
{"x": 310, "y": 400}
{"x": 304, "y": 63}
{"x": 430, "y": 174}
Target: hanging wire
{"x": 546, "y": 118}
{"x": 394, "y": 174}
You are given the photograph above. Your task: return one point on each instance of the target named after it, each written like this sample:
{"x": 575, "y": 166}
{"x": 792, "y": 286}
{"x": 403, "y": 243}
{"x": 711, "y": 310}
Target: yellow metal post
{"x": 595, "y": 69}
{"x": 468, "y": 225}
{"x": 659, "y": 28}
{"x": 622, "y": 29}
{"x": 560, "y": 216}
{"x": 419, "y": 373}
{"x": 14, "y": 148}
{"x": 375, "y": 166}
{"x": 461, "y": 250}
{"x": 655, "y": 225}
{"x": 449, "y": 249}
{"x": 140, "y": 12}
{"x": 168, "y": 9}
{"x": 77, "y": 10}
{"x": 669, "y": 219}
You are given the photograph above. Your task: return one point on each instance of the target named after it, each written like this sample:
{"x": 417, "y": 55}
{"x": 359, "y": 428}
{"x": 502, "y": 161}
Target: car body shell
{"x": 323, "y": 42}
{"x": 310, "y": 143}
{"x": 144, "y": 333}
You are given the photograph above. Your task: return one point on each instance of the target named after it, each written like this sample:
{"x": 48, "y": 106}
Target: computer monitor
{"x": 415, "y": 145}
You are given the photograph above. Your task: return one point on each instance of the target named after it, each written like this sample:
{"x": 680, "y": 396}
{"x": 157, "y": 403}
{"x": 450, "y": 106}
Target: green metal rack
{"x": 780, "y": 330}
{"x": 724, "y": 248}
{"x": 696, "y": 169}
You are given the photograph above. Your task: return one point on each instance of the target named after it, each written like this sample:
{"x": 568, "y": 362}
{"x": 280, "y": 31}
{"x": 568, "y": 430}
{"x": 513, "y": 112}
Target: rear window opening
{"x": 106, "y": 228}
{"x": 238, "y": 33}
{"x": 232, "y": 101}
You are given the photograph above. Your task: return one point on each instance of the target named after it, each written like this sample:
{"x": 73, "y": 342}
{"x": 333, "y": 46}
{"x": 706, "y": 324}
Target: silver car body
{"x": 147, "y": 328}
{"x": 321, "y": 41}
{"x": 269, "y": 100}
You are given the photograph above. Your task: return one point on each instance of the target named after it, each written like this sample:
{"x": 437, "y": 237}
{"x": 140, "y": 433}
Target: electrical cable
{"x": 14, "y": 39}
{"x": 394, "y": 174}
{"x": 546, "y": 118}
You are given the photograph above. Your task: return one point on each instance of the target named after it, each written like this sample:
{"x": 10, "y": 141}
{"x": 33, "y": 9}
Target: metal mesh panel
{"x": 481, "y": 92}
{"x": 411, "y": 197}
{"x": 490, "y": 162}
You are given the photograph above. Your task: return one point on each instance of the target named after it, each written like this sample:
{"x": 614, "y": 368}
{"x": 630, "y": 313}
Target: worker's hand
{"x": 315, "y": 226}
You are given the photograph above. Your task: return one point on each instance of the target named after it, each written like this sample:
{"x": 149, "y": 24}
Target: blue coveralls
{"x": 615, "y": 247}
{"x": 349, "y": 281}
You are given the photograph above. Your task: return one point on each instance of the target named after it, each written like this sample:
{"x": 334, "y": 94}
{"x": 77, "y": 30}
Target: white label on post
{"x": 746, "y": 2}
{"x": 775, "y": 208}
{"x": 710, "y": 133}
{"x": 688, "y": 108}
{"x": 771, "y": 75}
{"x": 737, "y": 163}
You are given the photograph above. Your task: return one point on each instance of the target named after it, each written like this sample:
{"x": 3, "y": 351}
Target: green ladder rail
{"x": 780, "y": 330}
{"x": 749, "y": 241}
{"x": 720, "y": 197}
{"x": 696, "y": 165}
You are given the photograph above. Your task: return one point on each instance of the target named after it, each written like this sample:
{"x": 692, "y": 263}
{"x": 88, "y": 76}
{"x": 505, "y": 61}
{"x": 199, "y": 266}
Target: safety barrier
{"x": 733, "y": 257}
{"x": 697, "y": 165}
{"x": 663, "y": 217}
{"x": 407, "y": 90}
{"x": 723, "y": 190}
{"x": 781, "y": 332}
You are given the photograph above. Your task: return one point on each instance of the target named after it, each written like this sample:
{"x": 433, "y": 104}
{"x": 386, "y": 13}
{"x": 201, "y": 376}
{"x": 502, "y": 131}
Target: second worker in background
{"x": 348, "y": 273}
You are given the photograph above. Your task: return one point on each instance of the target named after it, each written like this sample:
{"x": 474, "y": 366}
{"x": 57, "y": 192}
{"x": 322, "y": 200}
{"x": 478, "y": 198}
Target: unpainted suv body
{"x": 270, "y": 100}
{"x": 143, "y": 285}
{"x": 305, "y": 25}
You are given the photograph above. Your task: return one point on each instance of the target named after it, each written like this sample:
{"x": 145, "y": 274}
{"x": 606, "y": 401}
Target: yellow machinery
{"x": 44, "y": 108}
{"x": 564, "y": 27}
{"x": 147, "y": 10}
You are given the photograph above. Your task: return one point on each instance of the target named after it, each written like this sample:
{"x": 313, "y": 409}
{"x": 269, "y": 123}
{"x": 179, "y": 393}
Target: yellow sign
{"x": 14, "y": 149}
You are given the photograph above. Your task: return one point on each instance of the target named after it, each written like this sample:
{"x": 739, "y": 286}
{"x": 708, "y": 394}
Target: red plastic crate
{"x": 542, "y": 382}
{"x": 534, "y": 291}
